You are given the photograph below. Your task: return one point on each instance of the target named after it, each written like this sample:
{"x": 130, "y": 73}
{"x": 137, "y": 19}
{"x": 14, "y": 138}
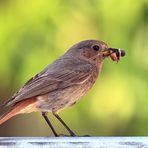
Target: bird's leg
{"x": 44, "y": 114}
{"x": 64, "y": 124}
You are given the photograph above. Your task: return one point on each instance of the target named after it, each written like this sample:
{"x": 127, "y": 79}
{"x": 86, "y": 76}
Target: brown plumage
{"x": 25, "y": 106}
{"x": 62, "y": 83}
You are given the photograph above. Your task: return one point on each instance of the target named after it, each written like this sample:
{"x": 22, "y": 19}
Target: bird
{"x": 62, "y": 83}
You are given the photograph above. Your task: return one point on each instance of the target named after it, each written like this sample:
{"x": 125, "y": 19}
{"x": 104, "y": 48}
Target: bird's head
{"x": 95, "y": 51}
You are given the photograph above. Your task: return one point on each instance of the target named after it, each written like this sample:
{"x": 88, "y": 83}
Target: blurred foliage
{"x": 34, "y": 33}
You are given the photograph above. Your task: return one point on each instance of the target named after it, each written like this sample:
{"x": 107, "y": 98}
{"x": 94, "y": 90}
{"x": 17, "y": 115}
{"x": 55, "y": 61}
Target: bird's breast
{"x": 92, "y": 79}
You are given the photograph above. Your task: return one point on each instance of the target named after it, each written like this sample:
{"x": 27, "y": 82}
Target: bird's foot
{"x": 86, "y": 136}
{"x": 63, "y": 135}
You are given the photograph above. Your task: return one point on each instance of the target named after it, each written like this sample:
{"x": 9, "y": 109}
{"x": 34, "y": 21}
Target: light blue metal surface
{"x": 74, "y": 142}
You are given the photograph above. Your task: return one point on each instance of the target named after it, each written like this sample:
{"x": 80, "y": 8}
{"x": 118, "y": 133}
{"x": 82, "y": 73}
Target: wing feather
{"x": 72, "y": 72}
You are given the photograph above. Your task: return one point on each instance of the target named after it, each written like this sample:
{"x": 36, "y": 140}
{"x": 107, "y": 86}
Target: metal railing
{"x": 74, "y": 142}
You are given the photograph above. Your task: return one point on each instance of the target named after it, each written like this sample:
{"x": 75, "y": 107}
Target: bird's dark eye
{"x": 96, "y": 47}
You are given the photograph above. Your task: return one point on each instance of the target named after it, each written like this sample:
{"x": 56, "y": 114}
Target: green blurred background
{"x": 33, "y": 33}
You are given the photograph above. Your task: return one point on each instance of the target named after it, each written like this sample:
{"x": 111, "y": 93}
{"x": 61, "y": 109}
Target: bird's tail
{"x": 7, "y": 115}
{"x": 25, "y": 106}
{"x": 4, "y": 104}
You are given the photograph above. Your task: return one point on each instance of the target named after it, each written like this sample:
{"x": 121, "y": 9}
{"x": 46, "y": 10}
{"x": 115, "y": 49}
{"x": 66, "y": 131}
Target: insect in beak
{"x": 116, "y": 54}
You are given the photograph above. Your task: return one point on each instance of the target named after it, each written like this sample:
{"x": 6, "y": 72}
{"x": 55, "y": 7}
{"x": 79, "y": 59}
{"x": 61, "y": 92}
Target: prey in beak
{"x": 115, "y": 54}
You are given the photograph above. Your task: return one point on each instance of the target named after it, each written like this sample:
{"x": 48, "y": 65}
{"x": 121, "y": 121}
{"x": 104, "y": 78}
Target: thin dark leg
{"x": 64, "y": 124}
{"x": 44, "y": 114}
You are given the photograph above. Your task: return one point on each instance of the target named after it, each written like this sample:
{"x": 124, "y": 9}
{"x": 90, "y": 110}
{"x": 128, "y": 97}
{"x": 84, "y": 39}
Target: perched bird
{"x": 62, "y": 83}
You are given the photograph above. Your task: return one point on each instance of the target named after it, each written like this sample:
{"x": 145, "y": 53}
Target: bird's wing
{"x": 74, "y": 73}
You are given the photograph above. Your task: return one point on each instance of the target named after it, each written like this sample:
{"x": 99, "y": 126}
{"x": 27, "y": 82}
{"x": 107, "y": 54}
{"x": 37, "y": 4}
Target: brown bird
{"x": 62, "y": 83}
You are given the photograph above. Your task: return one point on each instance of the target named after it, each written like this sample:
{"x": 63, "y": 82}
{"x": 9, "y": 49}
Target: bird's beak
{"x": 106, "y": 52}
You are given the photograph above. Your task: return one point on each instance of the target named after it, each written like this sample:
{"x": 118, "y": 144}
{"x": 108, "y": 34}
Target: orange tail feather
{"x": 26, "y": 106}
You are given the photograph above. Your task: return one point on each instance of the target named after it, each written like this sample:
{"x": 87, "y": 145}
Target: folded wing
{"x": 58, "y": 75}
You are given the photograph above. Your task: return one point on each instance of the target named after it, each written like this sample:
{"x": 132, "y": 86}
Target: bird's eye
{"x": 96, "y": 47}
